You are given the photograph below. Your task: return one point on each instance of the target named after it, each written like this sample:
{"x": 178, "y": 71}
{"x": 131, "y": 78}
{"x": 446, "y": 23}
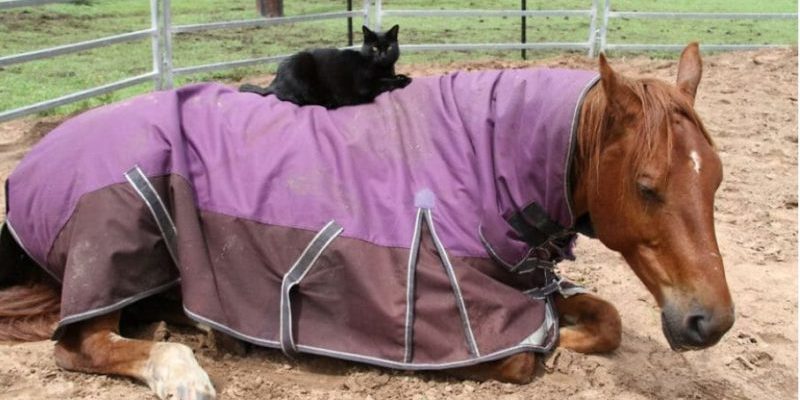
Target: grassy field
{"x": 27, "y": 29}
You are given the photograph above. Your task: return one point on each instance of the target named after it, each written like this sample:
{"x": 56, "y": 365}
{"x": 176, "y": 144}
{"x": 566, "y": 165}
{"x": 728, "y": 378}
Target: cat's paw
{"x": 402, "y": 81}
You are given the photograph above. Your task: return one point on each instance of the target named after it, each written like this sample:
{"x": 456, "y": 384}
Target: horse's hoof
{"x": 173, "y": 373}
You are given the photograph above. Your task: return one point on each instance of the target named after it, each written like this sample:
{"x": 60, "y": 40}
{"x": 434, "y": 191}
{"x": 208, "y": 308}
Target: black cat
{"x": 333, "y": 78}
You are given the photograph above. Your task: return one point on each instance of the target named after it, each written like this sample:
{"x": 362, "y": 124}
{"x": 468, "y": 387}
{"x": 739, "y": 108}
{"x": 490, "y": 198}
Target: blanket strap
{"x": 296, "y": 274}
{"x": 145, "y": 189}
{"x": 535, "y": 226}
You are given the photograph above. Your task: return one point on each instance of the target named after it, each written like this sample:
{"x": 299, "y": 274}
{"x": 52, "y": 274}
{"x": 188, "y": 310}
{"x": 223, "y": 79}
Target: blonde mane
{"x": 654, "y": 134}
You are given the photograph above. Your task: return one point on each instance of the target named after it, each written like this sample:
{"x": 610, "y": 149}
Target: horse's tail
{"x": 29, "y": 300}
{"x": 28, "y": 313}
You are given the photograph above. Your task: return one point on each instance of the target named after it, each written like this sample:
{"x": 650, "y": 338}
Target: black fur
{"x": 333, "y": 78}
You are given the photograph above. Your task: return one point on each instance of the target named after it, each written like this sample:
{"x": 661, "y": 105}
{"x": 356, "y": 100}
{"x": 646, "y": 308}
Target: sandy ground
{"x": 749, "y": 103}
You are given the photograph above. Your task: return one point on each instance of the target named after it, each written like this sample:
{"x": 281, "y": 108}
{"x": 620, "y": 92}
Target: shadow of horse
{"x": 646, "y": 366}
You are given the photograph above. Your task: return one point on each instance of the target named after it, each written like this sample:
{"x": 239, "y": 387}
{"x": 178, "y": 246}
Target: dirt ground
{"x": 749, "y": 104}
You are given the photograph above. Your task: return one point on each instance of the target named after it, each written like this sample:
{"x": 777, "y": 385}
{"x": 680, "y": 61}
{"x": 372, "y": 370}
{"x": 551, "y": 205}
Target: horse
{"x": 640, "y": 177}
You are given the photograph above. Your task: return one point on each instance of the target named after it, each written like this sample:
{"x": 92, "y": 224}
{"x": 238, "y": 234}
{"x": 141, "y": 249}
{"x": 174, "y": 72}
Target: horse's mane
{"x": 659, "y": 100}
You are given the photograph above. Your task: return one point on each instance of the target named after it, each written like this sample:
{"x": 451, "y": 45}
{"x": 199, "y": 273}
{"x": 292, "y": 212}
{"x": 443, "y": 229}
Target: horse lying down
{"x": 418, "y": 232}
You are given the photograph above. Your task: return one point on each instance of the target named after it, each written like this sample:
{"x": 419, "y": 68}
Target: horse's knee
{"x": 608, "y": 328}
{"x": 597, "y": 325}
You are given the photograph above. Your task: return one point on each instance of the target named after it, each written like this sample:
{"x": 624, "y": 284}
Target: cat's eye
{"x": 375, "y": 48}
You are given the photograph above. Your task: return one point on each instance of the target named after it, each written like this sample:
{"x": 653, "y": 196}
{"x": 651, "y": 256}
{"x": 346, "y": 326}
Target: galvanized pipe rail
{"x": 162, "y": 32}
{"x": 609, "y": 14}
{"x": 258, "y": 22}
{"x": 75, "y": 47}
{"x": 9, "y": 4}
{"x": 588, "y": 45}
{"x": 155, "y": 75}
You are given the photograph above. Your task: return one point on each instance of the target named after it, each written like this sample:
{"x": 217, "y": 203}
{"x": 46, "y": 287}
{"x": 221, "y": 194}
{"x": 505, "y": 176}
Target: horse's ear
{"x": 622, "y": 101}
{"x": 690, "y": 68}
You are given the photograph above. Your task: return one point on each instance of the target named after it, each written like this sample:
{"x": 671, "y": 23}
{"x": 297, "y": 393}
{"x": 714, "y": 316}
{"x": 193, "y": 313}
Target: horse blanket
{"x": 416, "y": 232}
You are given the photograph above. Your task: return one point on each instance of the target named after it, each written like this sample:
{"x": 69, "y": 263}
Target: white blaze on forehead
{"x": 695, "y": 161}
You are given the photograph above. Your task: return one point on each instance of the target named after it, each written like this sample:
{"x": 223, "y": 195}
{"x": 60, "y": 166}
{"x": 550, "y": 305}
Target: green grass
{"x": 35, "y": 28}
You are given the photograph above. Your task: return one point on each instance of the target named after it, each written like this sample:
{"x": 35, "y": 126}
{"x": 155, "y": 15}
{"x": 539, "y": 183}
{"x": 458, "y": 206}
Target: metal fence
{"x": 161, "y": 34}
{"x": 523, "y": 13}
{"x": 609, "y": 14}
{"x": 155, "y": 33}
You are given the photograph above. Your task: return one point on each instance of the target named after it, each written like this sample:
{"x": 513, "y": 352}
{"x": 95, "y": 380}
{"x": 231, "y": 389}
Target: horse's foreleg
{"x": 170, "y": 369}
{"x": 589, "y": 324}
{"x": 518, "y": 368}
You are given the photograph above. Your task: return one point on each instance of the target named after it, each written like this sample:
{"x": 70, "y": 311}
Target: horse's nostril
{"x": 697, "y": 327}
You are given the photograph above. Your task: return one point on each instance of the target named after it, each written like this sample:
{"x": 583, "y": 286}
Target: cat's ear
{"x": 369, "y": 36}
{"x": 391, "y": 34}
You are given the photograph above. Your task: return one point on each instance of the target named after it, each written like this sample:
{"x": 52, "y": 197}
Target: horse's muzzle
{"x": 696, "y": 328}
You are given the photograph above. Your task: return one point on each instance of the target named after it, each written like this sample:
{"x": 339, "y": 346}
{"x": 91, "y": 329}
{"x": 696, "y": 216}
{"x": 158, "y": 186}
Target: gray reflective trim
{"x": 374, "y": 360}
{"x": 573, "y": 140}
{"x": 413, "y": 253}
{"x": 228, "y": 331}
{"x": 448, "y": 267}
{"x": 117, "y": 305}
{"x": 296, "y": 274}
{"x": 548, "y": 289}
{"x": 490, "y": 250}
{"x": 145, "y": 189}
{"x": 572, "y": 291}
{"x": 539, "y": 337}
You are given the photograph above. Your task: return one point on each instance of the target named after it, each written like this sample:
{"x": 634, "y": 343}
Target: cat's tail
{"x": 250, "y": 88}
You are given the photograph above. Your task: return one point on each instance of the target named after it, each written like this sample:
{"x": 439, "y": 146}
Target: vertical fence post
{"x": 156, "y": 43}
{"x": 349, "y": 23}
{"x": 166, "y": 20}
{"x": 270, "y": 8}
{"x": 524, "y": 29}
{"x": 366, "y": 13}
{"x": 604, "y": 26}
{"x": 378, "y": 15}
{"x": 593, "y": 29}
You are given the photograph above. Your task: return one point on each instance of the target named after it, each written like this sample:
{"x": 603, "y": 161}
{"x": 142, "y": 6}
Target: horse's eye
{"x": 649, "y": 194}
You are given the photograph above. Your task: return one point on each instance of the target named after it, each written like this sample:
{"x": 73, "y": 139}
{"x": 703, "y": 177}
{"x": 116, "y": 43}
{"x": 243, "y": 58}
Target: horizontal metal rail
{"x": 699, "y": 15}
{"x": 227, "y": 65}
{"x": 4, "y": 5}
{"x": 248, "y": 23}
{"x": 609, "y": 14}
{"x": 680, "y": 47}
{"x": 236, "y": 64}
{"x": 71, "y": 98}
{"x": 494, "y": 46}
{"x": 405, "y": 47}
{"x": 75, "y": 47}
{"x": 486, "y": 13}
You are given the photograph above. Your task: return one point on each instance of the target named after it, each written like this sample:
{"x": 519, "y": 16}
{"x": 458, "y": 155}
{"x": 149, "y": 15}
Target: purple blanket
{"x": 429, "y": 189}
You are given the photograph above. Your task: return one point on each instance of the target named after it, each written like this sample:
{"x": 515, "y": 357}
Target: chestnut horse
{"x": 645, "y": 173}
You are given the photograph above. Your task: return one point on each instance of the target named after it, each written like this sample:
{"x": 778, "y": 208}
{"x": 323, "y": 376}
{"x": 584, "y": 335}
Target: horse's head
{"x": 646, "y": 173}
